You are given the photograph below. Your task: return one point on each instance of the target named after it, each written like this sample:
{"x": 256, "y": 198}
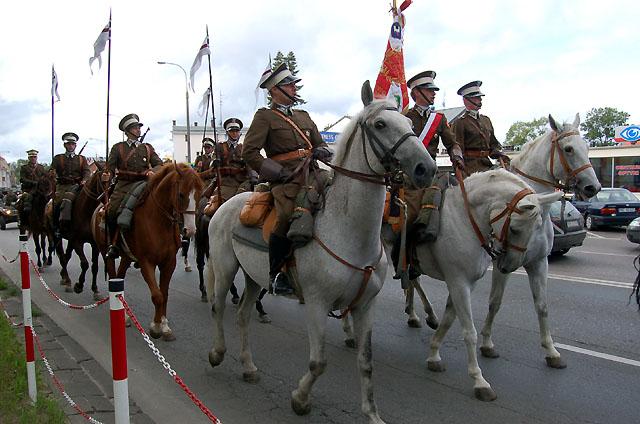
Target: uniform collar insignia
{"x": 284, "y": 109}
{"x": 473, "y": 113}
{"x": 423, "y": 110}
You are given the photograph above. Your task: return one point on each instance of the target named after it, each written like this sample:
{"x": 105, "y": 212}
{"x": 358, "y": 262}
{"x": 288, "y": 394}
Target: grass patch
{"x": 13, "y": 291}
{"x": 15, "y": 405}
{"x": 35, "y": 312}
{"x": 3, "y": 284}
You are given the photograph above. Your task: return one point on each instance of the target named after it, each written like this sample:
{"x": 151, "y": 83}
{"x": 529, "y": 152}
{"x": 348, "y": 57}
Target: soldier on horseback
{"x": 205, "y": 160}
{"x": 289, "y": 137}
{"x": 131, "y": 163}
{"x": 474, "y": 132}
{"x": 430, "y": 127}
{"x": 30, "y": 173}
{"x": 71, "y": 172}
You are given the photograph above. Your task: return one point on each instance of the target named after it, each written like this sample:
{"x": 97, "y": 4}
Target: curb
{"x": 83, "y": 378}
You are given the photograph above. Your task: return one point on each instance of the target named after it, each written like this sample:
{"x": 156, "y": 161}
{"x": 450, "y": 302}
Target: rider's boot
{"x": 279, "y": 249}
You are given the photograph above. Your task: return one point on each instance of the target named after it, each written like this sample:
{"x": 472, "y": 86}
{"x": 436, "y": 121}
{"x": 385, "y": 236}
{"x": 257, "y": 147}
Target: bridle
{"x": 571, "y": 173}
{"x": 174, "y": 215}
{"x": 503, "y": 237}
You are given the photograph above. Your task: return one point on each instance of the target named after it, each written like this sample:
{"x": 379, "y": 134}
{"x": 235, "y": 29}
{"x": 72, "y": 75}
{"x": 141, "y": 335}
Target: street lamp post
{"x": 186, "y": 86}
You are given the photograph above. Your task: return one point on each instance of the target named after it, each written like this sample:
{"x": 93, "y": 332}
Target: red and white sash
{"x": 430, "y": 128}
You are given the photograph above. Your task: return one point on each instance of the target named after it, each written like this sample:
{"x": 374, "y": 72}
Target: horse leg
{"x": 94, "y": 270}
{"x": 234, "y": 294}
{"x": 434, "y": 361}
{"x": 218, "y": 283}
{"x": 363, "y": 323}
{"x": 316, "y": 328}
{"x": 200, "y": 264}
{"x": 36, "y": 242}
{"x": 537, "y": 273}
{"x": 350, "y": 340}
{"x": 413, "y": 321}
{"x": 461, "y": 297}
{"x": 432, "y": 317}
{"x": 166, "y": 272}
{"x": 186, "y": 242}
{"x": 51, "y": 249}
{"x": 262, "y": 314}
{"x": 249, "y": 297}
{"x": 498, "y": 284}
{"x": 64, "y": 258}
{"x": 84, "y": 266}
{"x": 149, "y": 275}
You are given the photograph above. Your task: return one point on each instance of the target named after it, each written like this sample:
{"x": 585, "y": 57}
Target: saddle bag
{"x": 256, "y": 209}
{"x": 212, "y": 205}
{"x": 392, "y": 211}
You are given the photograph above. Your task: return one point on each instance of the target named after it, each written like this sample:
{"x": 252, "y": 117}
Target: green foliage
{"x": 522, "y": 131}
{"x": 3, "y": 284}
{"x": 15, "y": 405}
{"x": 600, "y": 123}
{"x": 292, "y": 64}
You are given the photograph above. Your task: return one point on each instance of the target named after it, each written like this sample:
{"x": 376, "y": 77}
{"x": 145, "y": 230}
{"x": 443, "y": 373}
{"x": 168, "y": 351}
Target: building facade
{"x": 6, "y": 179}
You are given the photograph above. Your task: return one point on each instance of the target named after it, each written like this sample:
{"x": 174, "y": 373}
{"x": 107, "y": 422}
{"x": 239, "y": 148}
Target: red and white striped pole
{"x": 118, "y": 351}
{"x": 28, "y": 322}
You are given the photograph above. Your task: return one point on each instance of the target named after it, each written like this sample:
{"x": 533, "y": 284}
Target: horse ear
{"x": 177, "y": 168}
{"x": 366, "y": 94}
{"x": 576, "y": 121}
{"x": 552, "y": 122}
{"x": 547, "y": 199}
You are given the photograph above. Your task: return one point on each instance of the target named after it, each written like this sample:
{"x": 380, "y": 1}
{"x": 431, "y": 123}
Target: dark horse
{"x": 36, "y": 221}
{"x": 154, "y": 238}
{"x": 201, "y": 240}
{"x": 85, "y": 203}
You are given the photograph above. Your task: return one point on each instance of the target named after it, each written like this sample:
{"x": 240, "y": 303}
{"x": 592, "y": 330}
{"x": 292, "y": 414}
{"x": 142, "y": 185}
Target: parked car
{"x": 7, "y": 214}
{"x": 633, "y": 231}
{"x": 611, "y": 207}
{"x": 568, "y": 232}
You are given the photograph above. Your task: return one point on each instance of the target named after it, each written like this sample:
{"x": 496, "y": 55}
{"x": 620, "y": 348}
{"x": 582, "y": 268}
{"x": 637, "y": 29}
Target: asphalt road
{"x": 588, "y": 294}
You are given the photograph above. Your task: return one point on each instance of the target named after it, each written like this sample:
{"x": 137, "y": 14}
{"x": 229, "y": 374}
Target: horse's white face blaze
{"x": 190, "y": 218}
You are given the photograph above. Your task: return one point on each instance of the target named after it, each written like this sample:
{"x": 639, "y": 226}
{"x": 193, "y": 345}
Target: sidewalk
{"x": 83, "y": 379}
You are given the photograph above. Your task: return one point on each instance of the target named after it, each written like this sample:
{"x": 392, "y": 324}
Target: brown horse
{"x": 154, "y": 237}
{"x": 85, "y": 203}
{"x": 36, "y": 223}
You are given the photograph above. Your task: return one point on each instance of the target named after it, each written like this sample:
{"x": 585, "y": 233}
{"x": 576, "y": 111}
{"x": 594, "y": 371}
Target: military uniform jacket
{"x": 475, "y": 134}
{"x": 270, "y": 132}
{"x": 30, "y": 174}
{"x": 133, "y": 161}
{"x": 443, "y": 132}
{"x": 70, "y": 169}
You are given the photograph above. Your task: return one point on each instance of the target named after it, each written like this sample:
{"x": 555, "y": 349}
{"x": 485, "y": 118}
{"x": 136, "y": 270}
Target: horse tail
{"x": 636, "y": 285}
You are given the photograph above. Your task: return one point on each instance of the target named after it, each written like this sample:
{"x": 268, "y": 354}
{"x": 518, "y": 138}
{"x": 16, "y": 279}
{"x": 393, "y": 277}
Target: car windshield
{"x": 570, "y": 211}
{"x": 615, "y": 196}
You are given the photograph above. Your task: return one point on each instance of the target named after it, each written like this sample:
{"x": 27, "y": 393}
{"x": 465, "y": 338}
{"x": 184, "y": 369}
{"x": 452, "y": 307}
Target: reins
{"x": 173, "y": 216}
{"x": 571, "y": 173}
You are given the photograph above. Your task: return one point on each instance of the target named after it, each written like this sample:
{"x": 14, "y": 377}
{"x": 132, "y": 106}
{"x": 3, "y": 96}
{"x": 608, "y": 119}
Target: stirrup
{"x": 281, "y": 285}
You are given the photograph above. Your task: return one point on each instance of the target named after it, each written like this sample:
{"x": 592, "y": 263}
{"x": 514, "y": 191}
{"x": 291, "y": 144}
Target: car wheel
{"x": 561, "y": 252}
{"x": 588, "y": 222}
{"x": 3, "y": 223}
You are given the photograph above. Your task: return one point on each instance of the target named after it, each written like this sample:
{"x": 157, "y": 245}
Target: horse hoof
{"x": 215, "y": 358}
{"x": 351, "y": 343}
{"x": 77, "y": 288}
{"x": 251, "y": 377}
{"x": 168, "y": 337}
{"x": 414, "y": 323}
{"x": 265, "y": 319}
{"x": 485, "y": 394}
{"x": 557, "y": 363}
{"x": 203, "y": 297}
{"x": 68, "y": 289}
{"x": 489, "y": 352}
{"x": 187, "y": 269}
{"x": 97, "y": 296}
{"x": 156, "y": 334}
{"x": 300, "y": 408}
{"x": 433, "y": 322}
{"x": 235, "y": 300}
{"x": 436, "y": 366}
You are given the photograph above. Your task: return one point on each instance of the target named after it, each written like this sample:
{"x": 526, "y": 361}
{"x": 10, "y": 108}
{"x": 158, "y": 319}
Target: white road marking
{"x": 584, "y": 280}
{"x": 589, "y": 233}
{"x": 598, "y": 354}
{"x": 606, "y": 254}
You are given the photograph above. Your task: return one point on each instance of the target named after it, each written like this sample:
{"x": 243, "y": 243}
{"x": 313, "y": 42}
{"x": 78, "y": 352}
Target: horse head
{"x": 389, "y": 143}
{"x": 188, "y": 191}
{"x": 514, "y": 215}
{"x": 572, "y": 165}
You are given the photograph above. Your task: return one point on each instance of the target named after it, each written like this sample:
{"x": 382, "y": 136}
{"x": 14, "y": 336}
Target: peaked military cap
{"x": 280, "y": 76}
{"x": 471, "y": 89}
{"x": 32, "y": 152}
{"x": 423, "y": 79}
{"x": 128, "y": 121}
{"x": 207, "y": 142}
{"x": 70, "y": 137}
{"x": 232, "y": 124}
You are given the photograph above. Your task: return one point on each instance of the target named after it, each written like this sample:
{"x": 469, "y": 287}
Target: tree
{"x": 600, "y": 123}
{"x": 292, "y": 64}
{"x": 522, "y": 131}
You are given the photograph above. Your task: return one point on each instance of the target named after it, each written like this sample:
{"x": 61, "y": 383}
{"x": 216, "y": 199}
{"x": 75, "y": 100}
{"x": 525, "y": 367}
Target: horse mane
{"x": 353, "y": 126}
{"x": 529, "y": 144}
{"x": 167, "y": 169}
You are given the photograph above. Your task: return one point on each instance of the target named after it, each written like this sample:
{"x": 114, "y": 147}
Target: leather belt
{"x": 477, "y": 153}
{"x": 295, "y": 154}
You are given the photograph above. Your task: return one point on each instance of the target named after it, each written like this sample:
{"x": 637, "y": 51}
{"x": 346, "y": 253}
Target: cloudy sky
{"x": 534, "y": 57}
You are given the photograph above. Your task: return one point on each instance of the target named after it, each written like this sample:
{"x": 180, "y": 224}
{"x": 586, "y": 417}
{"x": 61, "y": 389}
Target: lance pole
{"x": 215, "y": 133}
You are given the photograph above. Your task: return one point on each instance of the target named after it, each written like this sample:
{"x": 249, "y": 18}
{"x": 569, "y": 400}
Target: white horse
{"x": 348, "y": 227}
{"x": 557, "y": 159}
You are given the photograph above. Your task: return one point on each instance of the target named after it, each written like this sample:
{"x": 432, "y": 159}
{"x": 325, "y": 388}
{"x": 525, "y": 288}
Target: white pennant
{"x": 99, "y": 45}
{"x": 204, "y": 50}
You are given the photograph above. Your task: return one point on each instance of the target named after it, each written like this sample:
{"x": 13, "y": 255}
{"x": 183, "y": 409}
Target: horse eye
{"x": 568, "y": 149}
{"x": 379, "y": 125}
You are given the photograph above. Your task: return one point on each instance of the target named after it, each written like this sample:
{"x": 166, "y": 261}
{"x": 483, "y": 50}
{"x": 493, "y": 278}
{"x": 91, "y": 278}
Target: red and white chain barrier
{"x": 59, "y": 384}
{"x": 57, "y": 298}
{"x": 11, "y": 321}
{"x": 166, "y": 365}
